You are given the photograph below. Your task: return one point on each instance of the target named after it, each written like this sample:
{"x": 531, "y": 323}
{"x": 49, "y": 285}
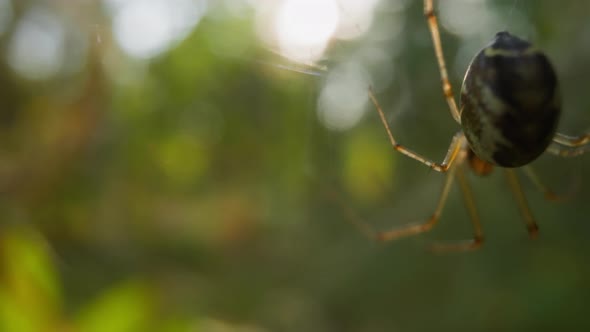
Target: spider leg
{"x": 516, "y": 188}
{"x": 569, "y": 146}
{"x": 350, "y": 214}
{"x": 424, "y": 226}
{"x": 547, "y": 192}
{"x": 446, "y": 84}
{"x": 572, "y": 141}
{"x": 477, "y": 240}
{"x": 403, "y": 231}
{"x": 455, "y": 147}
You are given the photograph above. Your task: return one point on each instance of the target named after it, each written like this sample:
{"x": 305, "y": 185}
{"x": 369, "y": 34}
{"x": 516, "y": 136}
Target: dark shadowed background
{"x": 164, "y": 166}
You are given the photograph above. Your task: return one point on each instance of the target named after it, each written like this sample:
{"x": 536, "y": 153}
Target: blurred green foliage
{"x": 188, "y": 192}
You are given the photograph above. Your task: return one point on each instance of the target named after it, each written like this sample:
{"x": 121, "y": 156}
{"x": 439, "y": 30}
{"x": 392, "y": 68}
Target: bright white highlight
{"x": 147, "y": 28}
{"x": 344, "y": 98}
{"x": 36, "y": 50}
{"x": 304, "y": 28}
{"x": 301, "y": 30}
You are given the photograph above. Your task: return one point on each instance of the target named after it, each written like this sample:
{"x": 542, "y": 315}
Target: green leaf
{"x": 126, "y": 307}
{"x": 29, "y": 291}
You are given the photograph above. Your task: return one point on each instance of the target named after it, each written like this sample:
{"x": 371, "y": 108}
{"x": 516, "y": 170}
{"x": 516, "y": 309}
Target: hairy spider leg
{"x": 456, "y": 143}
{"x": 572, "y": 141}
{"x": 478, "y": 239}
{"x": 424, "y": 226}
{"x": 569, "y": 146}
{"x": 548, "y": 193}
{"x": 410, "y": 229}
{"x": 523, "y": 205}
{"x": 446, "y": 84}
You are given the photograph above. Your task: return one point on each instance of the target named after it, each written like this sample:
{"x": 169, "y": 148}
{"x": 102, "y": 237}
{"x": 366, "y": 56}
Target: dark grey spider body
{"x": 510, "y": 102}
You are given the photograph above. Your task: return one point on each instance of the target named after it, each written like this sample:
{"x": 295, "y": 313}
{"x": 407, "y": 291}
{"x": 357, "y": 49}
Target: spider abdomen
{"x": 510, "y": 102}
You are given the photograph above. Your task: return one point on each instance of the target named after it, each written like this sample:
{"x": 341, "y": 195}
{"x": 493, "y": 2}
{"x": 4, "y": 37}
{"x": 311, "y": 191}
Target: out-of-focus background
{"x": 165, "y": 166}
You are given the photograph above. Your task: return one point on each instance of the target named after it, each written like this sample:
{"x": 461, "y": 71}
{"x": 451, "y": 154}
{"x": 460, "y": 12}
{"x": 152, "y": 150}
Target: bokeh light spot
{"x": 468, "y": 17}
{"x": 356, "y": 18}
{"x": 147, "y": 28}
{"x": 36, "y": 50}
{"x": 344, "y": 98}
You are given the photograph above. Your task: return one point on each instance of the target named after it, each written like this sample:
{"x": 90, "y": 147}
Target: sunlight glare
{"x": 304, "y": 28}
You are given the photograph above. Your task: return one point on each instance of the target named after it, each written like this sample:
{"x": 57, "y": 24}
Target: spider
{"x": 508, "y": 112}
